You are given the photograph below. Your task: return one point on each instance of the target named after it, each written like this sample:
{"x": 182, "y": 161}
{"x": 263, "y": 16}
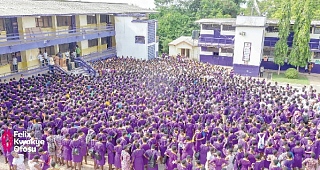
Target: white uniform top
{"x": 32, "y": 165}
{"x": 18, "y": 161}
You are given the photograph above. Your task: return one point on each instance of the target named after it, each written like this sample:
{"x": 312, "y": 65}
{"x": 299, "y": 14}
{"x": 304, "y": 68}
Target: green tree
{"x": 281, "y": 47}
{"x": 300, "y": 53}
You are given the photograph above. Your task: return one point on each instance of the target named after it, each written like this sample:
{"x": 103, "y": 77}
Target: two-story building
{"x": 248, "y": 41}
{"x": 28, "y": 27}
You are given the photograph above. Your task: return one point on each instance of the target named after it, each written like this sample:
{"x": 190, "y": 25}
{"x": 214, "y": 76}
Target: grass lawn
{"x": 282, "y": 79}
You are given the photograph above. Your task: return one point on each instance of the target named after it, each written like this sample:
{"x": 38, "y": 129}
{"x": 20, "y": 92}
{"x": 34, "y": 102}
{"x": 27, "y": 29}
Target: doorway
{"x": 12, "y": 29}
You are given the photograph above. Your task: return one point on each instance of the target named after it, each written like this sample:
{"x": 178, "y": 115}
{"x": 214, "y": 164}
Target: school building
{"x": 30, "y": 26}
{"x": 247, "y": 42}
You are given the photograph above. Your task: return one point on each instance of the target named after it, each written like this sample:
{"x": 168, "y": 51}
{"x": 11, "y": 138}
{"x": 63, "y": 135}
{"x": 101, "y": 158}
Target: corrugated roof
{"x": 43, "y": 7}
{"x": 186, "y": 39}
{"x": 232, "y": 21}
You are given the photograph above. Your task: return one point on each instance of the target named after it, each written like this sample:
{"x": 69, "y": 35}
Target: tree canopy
{"x": 281, "y": 47}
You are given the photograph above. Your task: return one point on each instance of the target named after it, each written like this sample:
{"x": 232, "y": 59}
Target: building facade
{"x": 58, "y": 26}
{"x": 184, "y": 46}
{"x": 248, "y": 42}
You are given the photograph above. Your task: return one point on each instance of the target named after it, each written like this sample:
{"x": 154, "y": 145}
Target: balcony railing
{"x": 110, "y": 52}
{"x": 215, "y": 41}
{"x": 28, "y": 71}
{"x": 272, "y": 43}
{"x": 45, "y": 36}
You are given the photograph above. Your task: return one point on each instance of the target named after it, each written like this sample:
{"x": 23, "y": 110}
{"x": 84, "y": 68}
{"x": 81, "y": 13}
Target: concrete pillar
{"x": 54, "y": 23}
{"x": 81, "y": 21}
{"x": 56, "y": 49}
{"x": 99, "y": 45}
{"x": 98, "y": 21}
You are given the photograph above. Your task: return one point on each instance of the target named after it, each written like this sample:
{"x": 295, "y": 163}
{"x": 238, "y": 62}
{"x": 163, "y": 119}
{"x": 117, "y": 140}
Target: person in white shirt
{"x": 15, "y": 64}
{"x": 34, "y": 164}
{"x": 18, "y": 161}
{"x": 40, "y": 57}
{"x": 45, "y": 57}
{"x": 210, "y": 157}
{"x": 51, "y": 64}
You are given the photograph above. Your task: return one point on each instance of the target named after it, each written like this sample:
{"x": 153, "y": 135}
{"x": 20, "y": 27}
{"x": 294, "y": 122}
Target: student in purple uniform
{"x": 110, "y": 152}
{"x": 287, "y": 163}
{"x": 188, "y": 148}
{"x": 75, "y": 145}
{"x": 137, "y": 158}
{"x": 298, "y": 152}
{"x": 218, "y": 162}
{"x": 67, "y": 151}
{"x": 275, "y": 165}
{"x": 45, "y": 158}
{"x": 244, "y": 163}
{"x": 172, "y": 158}
{"x": 100, "y": 151}
{"x": 117, "y": 157}
{"x": 153, "y": 157}
{"x": 259, "y": 163}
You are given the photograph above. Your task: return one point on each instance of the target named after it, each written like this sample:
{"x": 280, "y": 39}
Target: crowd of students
{"x": 161, "y": 114}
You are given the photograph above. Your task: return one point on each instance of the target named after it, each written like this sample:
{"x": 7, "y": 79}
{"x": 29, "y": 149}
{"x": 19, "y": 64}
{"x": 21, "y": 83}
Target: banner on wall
{"x": 246, "y": 52}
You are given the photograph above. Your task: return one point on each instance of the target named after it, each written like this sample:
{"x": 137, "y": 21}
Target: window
{"x": 211, "y": 27}
{"x": 272, "y": 29}
{"x": 50, "y": 50}
{"x": 140, "y": 40}
{"x": 104, "y": 18}
{"x": 63, "y": 48}
{"x": 5, "y": 58}
{"x": 212, "y": 49}
{"x": 317, "y": 30}
{"x": 316, "y": 55}
{"x": 93, "y": 43}
{"x": 228, "y": 28}
{"x": 63, "y": 21}
{"x": 269, "y": 54}
{"x": 2, "y": 25}
{"x": 91, "y": 19}
{"x": 226, "y": 50}
{"x": 44, "y": 22}
{"x": 103, "y": 40}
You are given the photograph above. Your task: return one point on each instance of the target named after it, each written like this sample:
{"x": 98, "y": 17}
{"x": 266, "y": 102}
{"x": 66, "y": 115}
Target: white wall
{"x": 253, "y": 35}
{"x": 210, "y": 32}
{"x": 194, "y": 51}
{"x": 125, "y": 37}
{"x": 28, "y": 22}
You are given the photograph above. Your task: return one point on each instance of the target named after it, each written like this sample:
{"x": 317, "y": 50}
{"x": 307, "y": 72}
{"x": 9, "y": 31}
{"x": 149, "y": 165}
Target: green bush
{"x": 291, "y": 73}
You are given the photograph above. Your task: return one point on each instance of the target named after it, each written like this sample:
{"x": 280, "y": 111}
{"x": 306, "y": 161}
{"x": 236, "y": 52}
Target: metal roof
{"x": 43, "y": 7}
{"x": 232, "y": 21}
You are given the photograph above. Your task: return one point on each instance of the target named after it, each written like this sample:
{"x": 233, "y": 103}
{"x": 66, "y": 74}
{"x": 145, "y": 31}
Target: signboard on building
{"x": 246, "y": 52}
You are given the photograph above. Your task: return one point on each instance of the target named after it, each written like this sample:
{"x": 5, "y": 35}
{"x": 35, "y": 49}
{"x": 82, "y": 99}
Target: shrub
{"x": 291, "y": 73}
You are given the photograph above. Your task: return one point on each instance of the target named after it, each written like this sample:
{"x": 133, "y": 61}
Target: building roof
{"x": 186, "y": 39}
{"x": 44, "y": 7}
{"x": 232, "y": 21}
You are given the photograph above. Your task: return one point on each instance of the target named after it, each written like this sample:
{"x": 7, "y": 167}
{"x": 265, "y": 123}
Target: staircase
{"x": 85, "y": 67}
{"x": 79, "y": 71}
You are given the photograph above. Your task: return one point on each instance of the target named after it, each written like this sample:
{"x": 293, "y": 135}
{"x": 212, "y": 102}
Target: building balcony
{"x": 35, "y": 38}
{"x": 110, "y": 52}
{"x": 216, "y": 42}
{"x": 313, "y": 44}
